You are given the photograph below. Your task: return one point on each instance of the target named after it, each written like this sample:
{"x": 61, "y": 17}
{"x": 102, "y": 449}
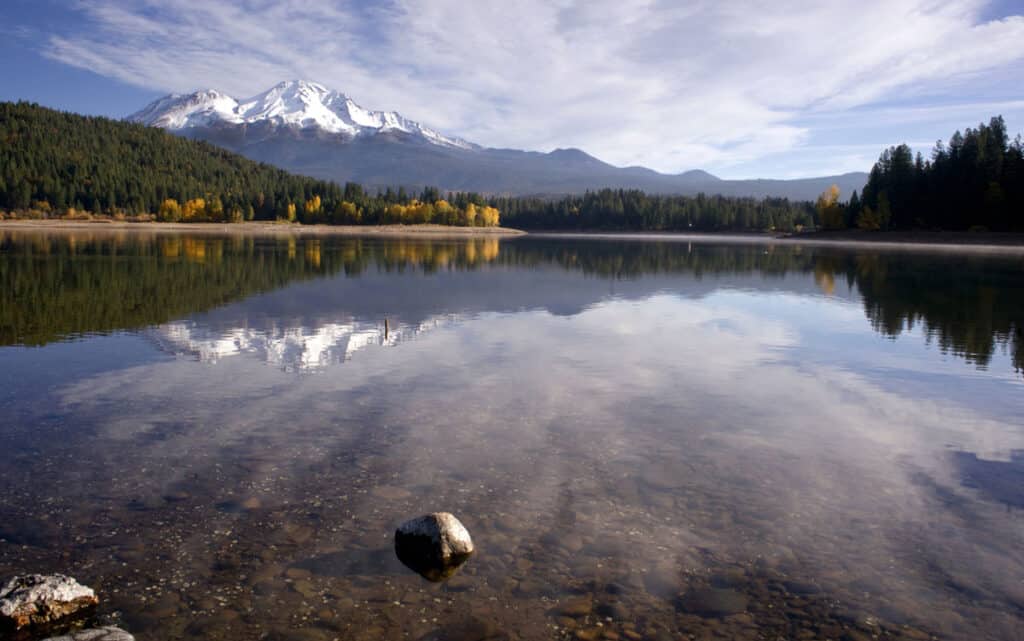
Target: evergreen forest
{"x": 973, "y": 183}
{"x": 632, "y": 210}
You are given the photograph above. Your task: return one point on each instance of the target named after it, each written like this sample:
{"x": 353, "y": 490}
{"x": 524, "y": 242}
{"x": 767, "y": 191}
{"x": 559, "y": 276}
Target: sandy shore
{"x": 263, "y": 228}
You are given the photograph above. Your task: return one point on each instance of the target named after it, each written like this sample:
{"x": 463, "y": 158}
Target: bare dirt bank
{"x": 264, "y": 228}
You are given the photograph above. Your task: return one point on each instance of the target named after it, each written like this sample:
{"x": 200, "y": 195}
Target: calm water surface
{"x": 646, "y": 439}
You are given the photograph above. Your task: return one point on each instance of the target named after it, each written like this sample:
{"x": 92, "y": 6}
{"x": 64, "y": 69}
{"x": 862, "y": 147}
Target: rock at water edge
{"x": 35, "y": 598}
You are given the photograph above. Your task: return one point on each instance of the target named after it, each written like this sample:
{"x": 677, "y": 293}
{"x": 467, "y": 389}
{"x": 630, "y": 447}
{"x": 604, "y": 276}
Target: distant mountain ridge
{"x": 307, "y": 128}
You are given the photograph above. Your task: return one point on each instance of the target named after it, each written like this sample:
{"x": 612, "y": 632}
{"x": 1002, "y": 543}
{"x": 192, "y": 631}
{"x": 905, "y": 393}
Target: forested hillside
{"x": 55, "y": 164}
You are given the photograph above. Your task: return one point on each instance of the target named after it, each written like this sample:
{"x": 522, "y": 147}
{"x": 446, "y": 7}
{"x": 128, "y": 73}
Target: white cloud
{"x": 634, "y": 82}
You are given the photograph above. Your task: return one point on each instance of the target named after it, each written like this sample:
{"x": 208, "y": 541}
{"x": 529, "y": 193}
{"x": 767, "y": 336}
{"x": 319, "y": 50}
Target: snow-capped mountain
{"x": 306, "y": 128}
{"x": 296, "y": 104}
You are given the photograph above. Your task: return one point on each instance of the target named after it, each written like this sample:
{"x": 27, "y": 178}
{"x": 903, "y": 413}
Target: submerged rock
{"x": 713, "y": 602}
{"x": 35, "y": 599}
{"x": 95, "y": 634}
{"x": 433, "y": 545}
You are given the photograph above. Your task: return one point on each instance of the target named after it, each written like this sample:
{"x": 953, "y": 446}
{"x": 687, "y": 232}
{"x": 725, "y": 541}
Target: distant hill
{"x": 306, "y": 128}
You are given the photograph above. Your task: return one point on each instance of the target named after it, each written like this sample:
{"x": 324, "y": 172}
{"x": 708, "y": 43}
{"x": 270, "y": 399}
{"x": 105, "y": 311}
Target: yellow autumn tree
{"x": 347, "y": 214}
{"x": 488, "y": 217}
{"x": 313, "y": 210}
{"x": 394, "y": 213}
{"x": 419, "y": 213}
{"x": 829, "y": 197}
{"x": 469, "y": 215}
{"x": 313, "y": 205}
{"x": 194, "y": 209}
{"x": 444, "y": 213}
{"x": 291, "y": 212}
{"x": 829, "y": 211}
{"x": 170, "y": 211}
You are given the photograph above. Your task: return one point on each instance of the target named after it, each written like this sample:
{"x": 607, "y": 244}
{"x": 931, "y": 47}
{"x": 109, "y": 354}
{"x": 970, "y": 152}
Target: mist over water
{"x": 646, "y": 439}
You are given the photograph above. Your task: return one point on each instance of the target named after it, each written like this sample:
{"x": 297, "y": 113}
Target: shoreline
{"x": 263, "y": 228}
{"x": 976, "y": 242}
{"x": 1008, "y": 243}
{"x": 961, "y": 238}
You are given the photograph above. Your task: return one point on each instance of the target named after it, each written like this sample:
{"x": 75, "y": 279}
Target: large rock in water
{"x": 34, "y": 599}
{"x": 95, "y": 634}
{"x": 434, "y": 545}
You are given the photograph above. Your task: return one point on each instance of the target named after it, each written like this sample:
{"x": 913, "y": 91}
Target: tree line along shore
{"x": 57, "y": 165}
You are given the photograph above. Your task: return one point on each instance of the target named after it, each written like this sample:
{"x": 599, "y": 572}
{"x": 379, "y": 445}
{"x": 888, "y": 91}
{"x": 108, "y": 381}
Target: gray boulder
{"x": 434, "y": 545}
{"x": 33, "y": 599}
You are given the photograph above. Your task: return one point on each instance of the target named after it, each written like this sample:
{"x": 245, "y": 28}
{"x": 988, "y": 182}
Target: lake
{"x": 647, "y": 438}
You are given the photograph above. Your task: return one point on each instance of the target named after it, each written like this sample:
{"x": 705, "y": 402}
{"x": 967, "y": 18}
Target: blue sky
{"x": 742, "y": 89}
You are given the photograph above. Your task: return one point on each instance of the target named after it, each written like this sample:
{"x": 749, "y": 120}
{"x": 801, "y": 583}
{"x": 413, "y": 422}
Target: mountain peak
{"x": 569, "y": 152}
{"x": 293, "y": 104}
{"x": 177, "y": 111}
{"x": 300, "y": 82}
{"x": 300, "y": 88}
{"x": 698, "y": 175}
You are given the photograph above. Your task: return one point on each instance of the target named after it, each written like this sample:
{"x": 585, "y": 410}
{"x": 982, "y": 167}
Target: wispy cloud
{"x": 713, "y": 84}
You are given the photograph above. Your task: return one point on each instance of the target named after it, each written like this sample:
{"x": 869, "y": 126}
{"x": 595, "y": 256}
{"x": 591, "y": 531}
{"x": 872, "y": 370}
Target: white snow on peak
{"x": 294, "y": 103}
{"x": 193, "y": 110}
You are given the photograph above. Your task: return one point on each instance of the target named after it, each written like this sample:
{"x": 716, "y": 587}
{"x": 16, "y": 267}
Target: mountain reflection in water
{"x": 664, "y": 438}
{"x": 62, "y": 285}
